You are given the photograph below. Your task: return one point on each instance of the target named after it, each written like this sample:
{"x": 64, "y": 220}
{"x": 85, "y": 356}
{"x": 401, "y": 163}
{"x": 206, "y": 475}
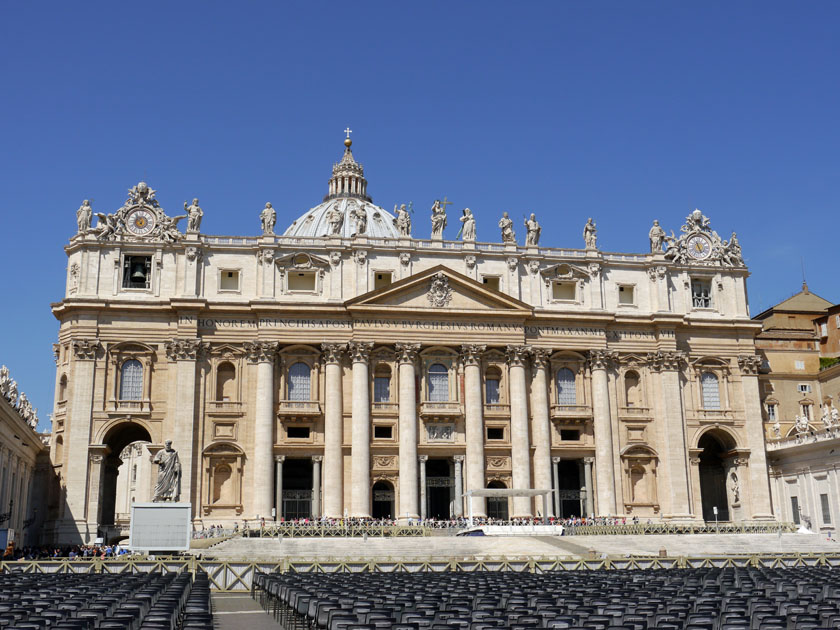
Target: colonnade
{"x": 15, "y": 481}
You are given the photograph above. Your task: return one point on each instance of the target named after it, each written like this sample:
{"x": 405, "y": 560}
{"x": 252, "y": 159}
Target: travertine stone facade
{"x": 338, "y": 372}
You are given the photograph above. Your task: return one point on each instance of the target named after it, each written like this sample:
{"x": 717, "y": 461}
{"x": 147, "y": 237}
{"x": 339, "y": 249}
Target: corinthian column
{"x": 542, "y": 424}
{"x": 474, "y": 421}
{"x": 600, "y": 360}
{"x": 520, "y": 449}
{"x": 262, "y": 354}
{"x": 759, "y": 481}
{"x": 333, "y": 432}
{"x": 409, "y": 505}
{"x": 360, "y": 444}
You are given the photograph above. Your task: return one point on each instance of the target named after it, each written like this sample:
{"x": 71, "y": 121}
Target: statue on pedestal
{"x": 402, "y": 221}
{"x": 359, "y": 217}
{"x": 335, "y": 219}
{"x": 194, "y": 214}
{"x": 468, "y": 229}
{"x": 657, "y": 238}
{"x": 168, "y": 486}
{"x": 83, "y": 216}
{"x": 506, "y": 226}
{"x": 438, "y": 220}
{"x": 590, "y": 234}
{"x": 268, "y": 217}
{"x": 534, "y": 229}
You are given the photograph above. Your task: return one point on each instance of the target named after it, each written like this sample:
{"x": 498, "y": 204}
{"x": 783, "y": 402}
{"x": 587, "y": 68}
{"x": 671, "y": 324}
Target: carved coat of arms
{"x": 440, "y": 293}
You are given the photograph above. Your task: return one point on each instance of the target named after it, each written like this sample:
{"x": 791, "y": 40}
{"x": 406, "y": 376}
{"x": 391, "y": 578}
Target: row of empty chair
{"x": 801, "y": 598}
{"x": 104, "y": 601}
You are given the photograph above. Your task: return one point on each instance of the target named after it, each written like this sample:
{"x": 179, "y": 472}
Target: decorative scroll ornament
{"x": 193, "y": 254}
{"x": 498, "y": 462}
{"x": 266, "y": 256}
{"x": 333, "y": 351}
{"x": 140, "y": 218}
{"x": 440, "y": 293}
{"x": 407, "y": 352}
{"x": 360, "y": 256}
{"x": 261, "y": 351}
{"x": 384, "y": 461}
{"x": 471, "y": 354}
{"x": 700, "y": 245}
{"x": 749, "y": 363}
{"x": 182, "y": 349}
{"x": 469, "y": 260}
{"x": 405, "y": 258}
{"x": 85, "y": 349}
{"x": 659, "y": 361}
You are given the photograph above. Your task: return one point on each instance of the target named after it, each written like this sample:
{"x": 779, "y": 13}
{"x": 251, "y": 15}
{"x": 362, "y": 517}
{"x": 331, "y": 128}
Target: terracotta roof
{"x": 802, "y": 302}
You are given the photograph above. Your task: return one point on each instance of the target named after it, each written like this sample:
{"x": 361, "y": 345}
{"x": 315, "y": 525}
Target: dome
{"x": 316, "y": 221}
{"x": 346, "y": 210}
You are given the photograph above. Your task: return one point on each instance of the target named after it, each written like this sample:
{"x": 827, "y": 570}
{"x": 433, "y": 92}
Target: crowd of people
{"x": 72, "y": 552}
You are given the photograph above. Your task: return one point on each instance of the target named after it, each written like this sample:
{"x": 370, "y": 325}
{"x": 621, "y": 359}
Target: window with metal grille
{"x": 131, "y": 380}
{"x": 491, "y": 387}
{"x": 438, "y": 383}
{"x": 566, "y": 394}
{"x": 299, "y": 382}
{"x": 382, "y": 389}
{"x": 826, "y": 509}
{"x": 701, "y": 294}
{"x": 711, "y": 390}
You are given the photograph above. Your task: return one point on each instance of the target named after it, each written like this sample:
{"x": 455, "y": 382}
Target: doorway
{"x": 297, "y": 489}
{"x": 568, "y": 491}
{"x": 713, "y": 477}
{"x": 497, "y": 507}
{"x": 383, "y": 500}
{"x": 116, "y": 477}
{"x": 439, "y": 487}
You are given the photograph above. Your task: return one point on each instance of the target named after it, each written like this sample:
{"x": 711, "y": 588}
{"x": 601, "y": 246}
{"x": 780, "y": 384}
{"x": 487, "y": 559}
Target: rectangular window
{"x": 837, "y": 321}
{"x": 800, "y": 365}
{"x": 563, "y": 291}
{"x": 824, "y": 329}
{"x": 137, "y": 272}
{"x": 491, "y": 282}
{"x": 383, "y": 433}
{"x": 229, "y": 280}
{"x": 794, "y": 507}
{"x": 569, "y": 435}
{"x": 381, "y": 279}
{"x": 806, "y": 411}
{"x": 826, "y": 509}
{"x": 298, "y": 433}
{"x": 495, "y": 433}
{"x": 382, "y": 389}
{"x": 302, "y": 281}
{"x": 804, "y": 388}
{"x": 492, "y": 391}
{"x": 701, "y": 294}
{"x": 627, "y": 294}
{"x": 771, "y": 413}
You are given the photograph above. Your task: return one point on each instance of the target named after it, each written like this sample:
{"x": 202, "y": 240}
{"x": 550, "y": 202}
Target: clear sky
{"x": 622, "y": 111}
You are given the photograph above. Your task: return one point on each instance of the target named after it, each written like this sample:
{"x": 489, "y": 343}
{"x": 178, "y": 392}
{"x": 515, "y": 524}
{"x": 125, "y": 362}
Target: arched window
{"x": 225, "y": 382}
{"x": 632, "y": 389}
{"x": 382, "y": 384}
{"x": 492, "y": 379}
{"x": 711, "y": 390}
{"x": 438, "y": 383}
{"x": 223, "y": 485}
{"x": 299, "y": 382}
{"x": 566, "y": 394}
{"x": 131, "y": 380}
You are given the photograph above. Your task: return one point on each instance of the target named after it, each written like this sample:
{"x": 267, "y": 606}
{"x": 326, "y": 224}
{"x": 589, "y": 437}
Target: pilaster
{"x": 759, "y": 483}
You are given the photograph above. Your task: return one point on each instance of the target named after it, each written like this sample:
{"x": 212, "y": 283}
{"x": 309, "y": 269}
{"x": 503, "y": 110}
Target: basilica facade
{"x": 348, "y": 367}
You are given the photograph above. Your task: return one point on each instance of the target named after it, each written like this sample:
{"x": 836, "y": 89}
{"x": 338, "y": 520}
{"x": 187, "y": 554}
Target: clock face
{"x": 699, "y": 247}
{"x": 140, "y": 222}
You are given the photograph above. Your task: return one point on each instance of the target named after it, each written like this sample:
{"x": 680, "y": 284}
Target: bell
{"x": 138, "y": 272}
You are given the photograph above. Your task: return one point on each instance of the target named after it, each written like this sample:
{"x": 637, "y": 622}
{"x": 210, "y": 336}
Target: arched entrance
{"x": 383, "y": 500}
{"x": 715, "y": 445}
{"x": 497, "y": 507}
{"x": 118, "y": 439}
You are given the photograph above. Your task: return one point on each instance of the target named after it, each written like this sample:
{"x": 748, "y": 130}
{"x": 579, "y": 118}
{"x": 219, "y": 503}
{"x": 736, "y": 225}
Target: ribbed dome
{"x": 347, "y": 209}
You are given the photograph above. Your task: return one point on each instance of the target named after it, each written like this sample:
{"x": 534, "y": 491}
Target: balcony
{"x": 634, "y": 413}
{"x": 298, "y": 408}
{"x": 61, "y": 407}
{"x": 715, "y": 415}
{"x": 496, "y": 410}
{"x": 447, "y": 410}
{"x": 225, "y": 408}
{"x": 571, "y": 413}
{"x": 384, "y": 408}
{"x": 130, "y": 407}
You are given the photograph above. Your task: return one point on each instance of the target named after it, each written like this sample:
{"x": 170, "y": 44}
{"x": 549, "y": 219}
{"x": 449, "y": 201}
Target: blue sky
{"x": 622, "y": 111}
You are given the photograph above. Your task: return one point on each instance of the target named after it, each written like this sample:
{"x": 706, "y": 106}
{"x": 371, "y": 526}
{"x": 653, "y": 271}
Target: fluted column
{"x": 333, "y": 432}
{"x": 587, "y": 481}
{"x": 520, "y": 449}
{"x": 360, "y": 441}
{"x": 555, "y": 462}
{"x": 407, "y": 356}
{"x": 759, "y": 491}
{"x": 600, "y": 360}
{"x": 542, "y": 423}
{"x": 422, "y": 462}
{"x": 675, "y": 457}
{"x": 316, "y": 486}
{"x": 459, "y": 486}
{"x": 262, "y": 354}
{"x": 278, "y": 488}
{"x": 474, "y": 424}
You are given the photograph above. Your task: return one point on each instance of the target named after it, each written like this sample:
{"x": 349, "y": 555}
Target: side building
{"x": 349, "y": 369}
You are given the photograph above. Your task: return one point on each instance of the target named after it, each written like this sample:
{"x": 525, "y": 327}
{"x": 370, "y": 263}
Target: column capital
{"x": 318, "y": 458}
{"x": 182, "y": 349}
{"x": 666, "y": 360}
{"x": 458, "y": 458}
{"x": 261, "y": 351}
{"x": 422, "y": 458}
{"x": 85, "y": 349}
{"x": 279, "y": 459}
{"x": 602, "y": 359}
{"x": 407, "y": 352}
{"x": 332, "y": 352}
{"x": 749, "y": 364}
{"x": 359, "y": 351}
{"x": 539, "y": 357}
{"x": 471, "y": 353}
{"x": 556, "y": 460}
{"x": 589, "y": 460}
{"x": 517, "y": 356}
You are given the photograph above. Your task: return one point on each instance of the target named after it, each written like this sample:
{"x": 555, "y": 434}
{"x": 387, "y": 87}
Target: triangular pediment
{"x": 439, "y": 290}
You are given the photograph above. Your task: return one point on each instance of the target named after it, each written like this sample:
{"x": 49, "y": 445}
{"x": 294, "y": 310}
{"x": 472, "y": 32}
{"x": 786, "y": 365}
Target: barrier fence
{"x": 232, "y": 575}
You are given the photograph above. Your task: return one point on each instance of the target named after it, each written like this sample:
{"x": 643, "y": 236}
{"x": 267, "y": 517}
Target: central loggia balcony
{"x": 448, "y": 409}
{"x": 298, "y": 408}
{"x": 571, "y": 413}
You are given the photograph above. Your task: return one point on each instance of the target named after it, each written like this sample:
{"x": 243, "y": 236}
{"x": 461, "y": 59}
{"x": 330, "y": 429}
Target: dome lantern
{"x": 348, "y": 176}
